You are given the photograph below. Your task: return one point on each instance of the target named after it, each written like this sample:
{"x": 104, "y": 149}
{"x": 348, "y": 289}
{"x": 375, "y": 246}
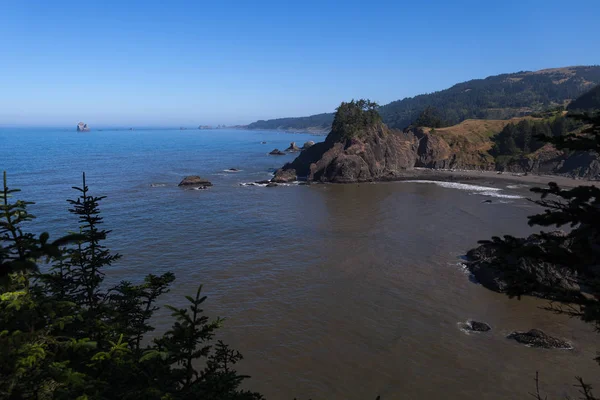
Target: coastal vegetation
{"x": 66, "y": 334}
{"x": 355, "y": 117}
{"x": 496, "y": 97}
{"x": 557, "y": 265}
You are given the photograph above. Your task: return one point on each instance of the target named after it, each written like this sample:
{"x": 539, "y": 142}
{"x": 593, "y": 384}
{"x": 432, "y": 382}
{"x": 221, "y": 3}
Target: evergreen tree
{"x": 535, "y": 268}
{"x": 65, "y": 335}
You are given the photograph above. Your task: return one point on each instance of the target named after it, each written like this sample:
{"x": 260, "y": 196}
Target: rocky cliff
{"x": 81, "y": 127}
{"x": 377, "y": 153}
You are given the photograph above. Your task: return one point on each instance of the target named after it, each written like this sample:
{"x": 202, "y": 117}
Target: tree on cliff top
{"x": 354, "y": 117}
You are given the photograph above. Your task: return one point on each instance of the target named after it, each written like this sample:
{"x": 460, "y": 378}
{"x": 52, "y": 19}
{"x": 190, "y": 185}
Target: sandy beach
{"x": 470, "y": 175}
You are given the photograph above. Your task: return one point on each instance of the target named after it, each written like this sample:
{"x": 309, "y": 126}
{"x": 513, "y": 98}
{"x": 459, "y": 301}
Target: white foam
{"x": 253, "y": 184}
{"x": 232, "y": 172}
{"x": 519, "y": 186}
{"x": 500, "y": 195}
{"x": 475, "y": 189}
{"x": 455, "y": 185}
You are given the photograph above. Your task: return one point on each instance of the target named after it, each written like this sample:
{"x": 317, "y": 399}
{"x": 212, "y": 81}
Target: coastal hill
{"x": 495, "y": 97}
{"x": 362, "y": 148}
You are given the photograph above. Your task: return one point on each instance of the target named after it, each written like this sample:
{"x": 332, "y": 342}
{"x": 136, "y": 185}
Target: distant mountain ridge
{"x": 496, "y": 97}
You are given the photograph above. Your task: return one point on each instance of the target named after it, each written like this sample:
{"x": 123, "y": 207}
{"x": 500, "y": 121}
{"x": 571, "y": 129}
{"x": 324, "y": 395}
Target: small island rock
{"x": 277, "y": 152}
{"x": 195, "y": 181}
{"x": 81, "y": 127}
{"x": 293, "y": 148}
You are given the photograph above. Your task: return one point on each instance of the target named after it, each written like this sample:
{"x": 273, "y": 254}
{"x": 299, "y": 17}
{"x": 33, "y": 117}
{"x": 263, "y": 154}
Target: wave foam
{"x": 459, "y": 186}
{"x": 475, "y": 189}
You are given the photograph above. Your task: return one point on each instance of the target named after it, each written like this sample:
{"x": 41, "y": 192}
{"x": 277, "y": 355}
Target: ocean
{"x": 329, "y": 291}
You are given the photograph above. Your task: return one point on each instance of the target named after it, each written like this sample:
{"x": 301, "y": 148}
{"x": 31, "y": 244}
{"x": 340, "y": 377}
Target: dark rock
{"x": 479, "y": 326}
{"x": 81, "y": 127}
{"x": 308, "y": 145}
{"x": 263, "y": 142}
{"x": 272, "y": 184}
{"x": 232, "y": 170}
{"x": 277, "y": 152}
{"x": 493, "y": 270}
{"x": 293, "y": 148}
{"x": 263, "y": 182}
{"x": 194, "y": 181}
{"x": 487, "y": 201}
{"x": 285, "y": 176}
{"x": 537, "y": 338}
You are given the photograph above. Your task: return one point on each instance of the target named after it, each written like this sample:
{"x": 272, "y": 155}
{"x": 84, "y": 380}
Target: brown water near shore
{"x": 329, "y": 291}
{"x": 362, "y": 291}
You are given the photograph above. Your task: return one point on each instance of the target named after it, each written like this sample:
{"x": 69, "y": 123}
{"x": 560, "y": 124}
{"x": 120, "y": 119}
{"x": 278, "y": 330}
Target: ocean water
{"x": 329, "y": 291}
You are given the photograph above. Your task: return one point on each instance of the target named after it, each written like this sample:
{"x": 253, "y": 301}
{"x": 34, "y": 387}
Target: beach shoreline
{"x": 473, "y": 175}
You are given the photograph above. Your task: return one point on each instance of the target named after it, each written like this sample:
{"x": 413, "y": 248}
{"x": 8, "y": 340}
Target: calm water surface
{"x": 329, "y": 291}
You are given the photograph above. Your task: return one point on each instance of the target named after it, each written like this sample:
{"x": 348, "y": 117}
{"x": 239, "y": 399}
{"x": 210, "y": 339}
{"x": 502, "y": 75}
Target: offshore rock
{"x": 194, "y": 181}
{"x": 277, "y": 152}
{"x": 293, "y": 148}
{"x": 81, "y": 127}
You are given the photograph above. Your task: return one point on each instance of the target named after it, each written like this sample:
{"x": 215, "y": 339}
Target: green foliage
{"x": 496, "y": 97}
{"x": 590, "y": 101}
{"x": 354, "y": 117}
{"x": 431, "y": 118}
{"x": 538, "y": 266}
{"x": 526, "y": 136}
{"x": 65, "y": 335}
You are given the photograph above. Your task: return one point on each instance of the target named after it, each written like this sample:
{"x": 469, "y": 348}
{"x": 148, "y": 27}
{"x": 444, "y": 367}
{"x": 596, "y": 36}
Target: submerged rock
{"x": 293, "y": 148}
{"x": 194, "y": 181}
{"x": 81, "y": 127}
{"x": 537, "y": 338}
{"x": 479, "y": 326}
{"x": 232, "y": 170}
{"x": 475, "y": 326}
{"x": 277, "y": 152}
{"x": 272, "y": 184}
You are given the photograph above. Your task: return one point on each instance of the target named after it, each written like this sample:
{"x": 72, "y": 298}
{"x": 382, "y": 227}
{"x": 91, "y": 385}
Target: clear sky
{"x": 172, "y": 63}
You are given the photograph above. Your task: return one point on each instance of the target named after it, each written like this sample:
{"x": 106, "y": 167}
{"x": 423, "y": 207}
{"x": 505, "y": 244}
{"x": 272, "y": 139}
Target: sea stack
{"x": 81, "y": 127}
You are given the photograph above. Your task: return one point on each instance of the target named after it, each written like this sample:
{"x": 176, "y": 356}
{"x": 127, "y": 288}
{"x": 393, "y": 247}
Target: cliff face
{"x": 379, "y": 154}
{"x": 376, "y": 154}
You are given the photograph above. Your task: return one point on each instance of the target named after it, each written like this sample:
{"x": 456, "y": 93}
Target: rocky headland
{"x": 361, "y": 148}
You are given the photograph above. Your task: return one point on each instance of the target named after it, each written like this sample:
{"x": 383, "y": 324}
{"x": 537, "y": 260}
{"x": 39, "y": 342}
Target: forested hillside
{"x": 496, "y": 97}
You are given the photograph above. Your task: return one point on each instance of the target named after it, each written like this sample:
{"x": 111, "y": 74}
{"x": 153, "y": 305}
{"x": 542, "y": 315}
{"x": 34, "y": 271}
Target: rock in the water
{"x": 81, "y": 127}
{"x": 308, "y": 145}
{"x": 285, "y": 176}
{"x": 487, "y": 201}
{"x": 479, "y": 326}
{"x": 232, "y": 170}
{"x": 537, "y": 338}
{"x": 272, "y": 184}
{"x": 194, "y": 181}
{"x": 495, "y": 269}
{"x": 277, "y": 152}
{"x": 263, "y": 142}
{"x": 293, "y": 148}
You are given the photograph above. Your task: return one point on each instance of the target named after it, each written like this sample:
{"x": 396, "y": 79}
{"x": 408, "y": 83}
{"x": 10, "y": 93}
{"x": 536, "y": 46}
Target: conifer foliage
{"x": 65, "y": 334}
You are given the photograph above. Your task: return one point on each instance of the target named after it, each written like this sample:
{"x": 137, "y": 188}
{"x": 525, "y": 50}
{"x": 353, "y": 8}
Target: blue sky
{"x": 172, "y": 63}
